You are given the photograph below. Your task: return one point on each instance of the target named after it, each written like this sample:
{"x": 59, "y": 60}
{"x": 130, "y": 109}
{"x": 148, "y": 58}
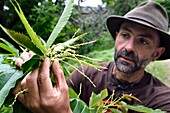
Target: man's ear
{"x": 158, "y": 53}
{"x": 117, "y": 33}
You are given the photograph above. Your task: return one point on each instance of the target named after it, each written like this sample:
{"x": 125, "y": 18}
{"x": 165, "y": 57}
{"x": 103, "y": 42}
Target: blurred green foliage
{"x": 5, "y": 109}
{"x": 43, "y": 14}
{"x": 103, "y": 56}
{"x": 44, "y": 18}
{"x": 160, "y": 69}
{"x": 121, "y": 7}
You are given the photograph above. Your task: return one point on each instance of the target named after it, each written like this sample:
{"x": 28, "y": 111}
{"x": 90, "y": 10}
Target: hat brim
{"x": 113, "y": 25}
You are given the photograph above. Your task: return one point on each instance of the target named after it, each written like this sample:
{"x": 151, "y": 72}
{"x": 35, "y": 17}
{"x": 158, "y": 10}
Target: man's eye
{"x": 124, "y": 35}
{"x": 144, "y": 42}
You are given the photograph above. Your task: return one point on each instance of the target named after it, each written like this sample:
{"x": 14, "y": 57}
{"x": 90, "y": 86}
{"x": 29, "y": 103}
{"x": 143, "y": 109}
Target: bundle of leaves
{"x": 97, "y": 104}
{"x": 64, "y": 52}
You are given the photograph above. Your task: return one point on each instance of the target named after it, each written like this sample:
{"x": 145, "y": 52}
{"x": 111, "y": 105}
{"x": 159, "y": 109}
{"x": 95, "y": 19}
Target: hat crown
{"x": 150, "y": 13}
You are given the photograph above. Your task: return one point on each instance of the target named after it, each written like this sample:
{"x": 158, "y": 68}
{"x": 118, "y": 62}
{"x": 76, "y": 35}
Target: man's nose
{"x": 130, "y": 45}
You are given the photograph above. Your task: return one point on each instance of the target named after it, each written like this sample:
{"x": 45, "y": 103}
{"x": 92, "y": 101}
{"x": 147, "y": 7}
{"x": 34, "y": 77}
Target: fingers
{"x": 20, "y": 87}
{"x": 29, "y": 84}
{"x": 41, "y": 95}
{"x": 31, "y": 80}
{"x": 59, "y": 76}
{"x": 19, "y": 62}
{"x": 30, "y": 53}
{"x": 23, "y": 58}
{"x": 17, "y": 88}
{"x": 44, "y": 80}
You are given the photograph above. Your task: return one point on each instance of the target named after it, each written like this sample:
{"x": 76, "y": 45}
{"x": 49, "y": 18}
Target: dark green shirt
{"x": 151, "y": 91}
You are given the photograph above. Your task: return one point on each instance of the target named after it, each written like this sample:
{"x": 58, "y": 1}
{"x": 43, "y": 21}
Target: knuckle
{"x": 47, "y": 102}
{"x": 64, "y": 88}
{"x": 17, "y": 88}
{"x": 19, "y": 62}
{"x": 29, "y": 79}
{"x": 42, "y": 77}
{"x": 23, "y": 85}
{"x": 24, "y": 56}
{"x": 31, "y": 53}
{"x": 60, "y": 71}
{"x": 34, "y": 105}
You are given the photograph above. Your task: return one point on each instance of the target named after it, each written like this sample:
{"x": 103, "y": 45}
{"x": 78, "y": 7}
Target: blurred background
{"x": 88, "y": 15}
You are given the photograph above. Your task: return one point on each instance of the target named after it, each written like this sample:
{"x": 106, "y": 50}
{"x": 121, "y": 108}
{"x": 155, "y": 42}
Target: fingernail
{"x": 47, "y": 59}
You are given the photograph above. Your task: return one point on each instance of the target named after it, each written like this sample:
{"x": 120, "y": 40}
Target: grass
{"x": 160, "y": 69}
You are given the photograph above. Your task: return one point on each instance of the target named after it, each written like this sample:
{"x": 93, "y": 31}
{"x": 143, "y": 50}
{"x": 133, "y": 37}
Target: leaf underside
{"x": 61, "y": 23}
{"x": 8, "y": 78}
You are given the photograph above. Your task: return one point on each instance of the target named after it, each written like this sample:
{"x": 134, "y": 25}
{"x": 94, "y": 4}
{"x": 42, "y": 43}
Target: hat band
{"x": 143, "y": 21}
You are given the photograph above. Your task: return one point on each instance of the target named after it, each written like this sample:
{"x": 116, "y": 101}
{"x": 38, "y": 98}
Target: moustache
{"x": 131, "y": 55}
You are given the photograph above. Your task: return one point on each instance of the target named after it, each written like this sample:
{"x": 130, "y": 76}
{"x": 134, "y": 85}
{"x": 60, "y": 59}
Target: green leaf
{"x": 97, "y": 99}
{"x": 78, "y": 106}
{"x": 61, "y": 23}
{"x": 115, "y": 110}
{"x": 140, "y": 108}
{"x": 31, "y": 64}
{"x": 6, "y": 109}
{"x": 8, "y": 77}
{"x": 22, "y": 40}
{"x": 34, "y": 38}
{"x": 65, "y": 70}
{"x": 130, "y": 96}
{"x": 63, "y": 45}
{"x": 10, "y": 47}
{"x": 72, "y": 93}
{"x": 7, "y": 48}
{"x": 7, "y": 43}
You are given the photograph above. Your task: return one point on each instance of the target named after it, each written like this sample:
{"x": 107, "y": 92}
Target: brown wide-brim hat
{"x": 149, "y": 14}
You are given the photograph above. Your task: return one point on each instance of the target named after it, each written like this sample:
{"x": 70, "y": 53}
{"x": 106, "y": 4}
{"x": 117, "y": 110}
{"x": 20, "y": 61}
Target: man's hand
{"x": 41, "y": 96}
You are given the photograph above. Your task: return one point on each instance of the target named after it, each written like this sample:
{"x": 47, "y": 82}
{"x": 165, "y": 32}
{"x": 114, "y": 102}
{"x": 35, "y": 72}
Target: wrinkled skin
{"x": 135, "y": 47}
{"x": 41, "y": 96}
{"x": 137, "y": 64}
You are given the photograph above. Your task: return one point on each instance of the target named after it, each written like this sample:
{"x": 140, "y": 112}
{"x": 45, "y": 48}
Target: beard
{"x": 135, "y": 63}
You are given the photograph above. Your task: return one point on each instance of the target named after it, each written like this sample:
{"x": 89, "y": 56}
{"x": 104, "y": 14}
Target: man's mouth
{"x": 126, "y": 59}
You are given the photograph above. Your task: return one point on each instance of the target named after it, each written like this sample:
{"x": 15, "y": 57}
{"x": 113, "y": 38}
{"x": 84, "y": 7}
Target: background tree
{"x": 43, "y": 14}
{"x": 9, "y": 18}
{"x": 92, "y": 20}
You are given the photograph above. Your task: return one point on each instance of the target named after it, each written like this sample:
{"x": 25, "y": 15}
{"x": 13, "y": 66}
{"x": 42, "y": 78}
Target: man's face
{"x": 135, "y": 47}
